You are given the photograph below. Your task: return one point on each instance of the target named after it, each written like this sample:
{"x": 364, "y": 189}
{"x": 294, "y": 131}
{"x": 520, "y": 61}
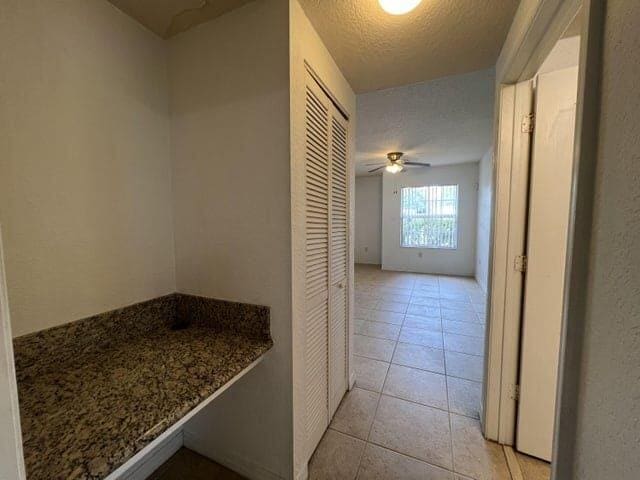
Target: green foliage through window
{"x": 429, "y": 216}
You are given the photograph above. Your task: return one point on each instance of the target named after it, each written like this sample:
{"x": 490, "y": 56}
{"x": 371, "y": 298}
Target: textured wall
{"x": 368, "y": 220}
{"x": 607, "y": 409}
{"x": 483, "y": 234}
{"x": 460, "y": 261}
{"x": 230, "y": 149}
{"x": 85, "y": 174}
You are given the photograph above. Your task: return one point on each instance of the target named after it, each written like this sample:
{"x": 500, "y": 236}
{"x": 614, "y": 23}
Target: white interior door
{"x": 549, "y": 203}
{"x": 326, "y": 261}
{"x": 339, "y": 222}
{"x": 316, "y": 264}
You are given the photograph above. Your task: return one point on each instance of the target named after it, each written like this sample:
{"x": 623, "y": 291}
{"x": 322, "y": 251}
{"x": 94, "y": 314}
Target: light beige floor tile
{"x": 464, "y": 366}
{"x": 425, "y": 301}
{"x": 423, "y": 310}
{"x": 456, "y": 295}
{"x": 388, "y": 306}
{"x": 477, "y": 296}
{"x": 386, "y": 317}
{"x": 464, "y": 396}
{"x": 480, "y": 308}
{"x": 419, "y": 336}
{"x": 426, "y": 323}
{"x": 377, "y": 329}
{"x": 420, "y": 386}
{"x": 473, "y": 329}
{"x": 532, "y": 468}
{"x": 381, "y": 291}
{"x": 464, "y": 344}
{"x": 370, "y": 374}
{"x": 355, "y": 413}
{"x": 376, "y": 348}
{"x": 450, "y": 287}
{"x": 456, "y": 305}
{"x": 473, "y": 455}
{"x": 415, "y": 430}
{"x": 394, "y": 297}
{"x": 369, "y": 302}
{"x": 362, "y": 313}
{"x": 186, "y": 463}
{"x": 419, "y": 356}
{"x": 459, "y": 315}
{"x": 337, "y": 457}
{"x": 427, "y": 290}
{"x": 381, "y": 464}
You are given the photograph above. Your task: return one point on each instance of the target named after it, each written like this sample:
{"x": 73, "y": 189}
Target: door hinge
{"x": 515, "y": 392}
{"x": 528, "y": 123}
{"x": 520, "y": 263}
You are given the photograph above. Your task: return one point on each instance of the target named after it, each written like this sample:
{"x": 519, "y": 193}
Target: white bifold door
{"x": 326, "y": 257}
{"x": 548, "y": 223}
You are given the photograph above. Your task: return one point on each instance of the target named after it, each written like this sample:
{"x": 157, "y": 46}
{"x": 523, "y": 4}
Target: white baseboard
{"x": 234, "y": 462}
{"x": 154, "y": 459}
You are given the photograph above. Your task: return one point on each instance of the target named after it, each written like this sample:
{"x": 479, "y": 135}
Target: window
{"x": 429, "y": 216}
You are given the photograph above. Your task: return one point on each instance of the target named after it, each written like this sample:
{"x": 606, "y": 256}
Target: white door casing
{"x": 508, "y": 241}
{"x": 549, "y": 211}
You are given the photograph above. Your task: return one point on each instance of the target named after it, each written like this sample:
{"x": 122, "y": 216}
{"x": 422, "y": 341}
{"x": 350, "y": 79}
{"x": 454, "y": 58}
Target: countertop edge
{"x": 130, "y": 465}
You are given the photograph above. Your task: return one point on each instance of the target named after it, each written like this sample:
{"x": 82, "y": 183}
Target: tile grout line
{"x": 395, "y": 345}
{"x": 413, "y": 290}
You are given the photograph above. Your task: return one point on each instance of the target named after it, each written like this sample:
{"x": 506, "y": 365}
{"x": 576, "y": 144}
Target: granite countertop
{"x": 86, "y": 408}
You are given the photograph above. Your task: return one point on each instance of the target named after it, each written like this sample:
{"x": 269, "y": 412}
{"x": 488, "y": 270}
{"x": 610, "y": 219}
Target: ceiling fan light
{"x": 398, "y": 7}
{"x": 393, "y": 168}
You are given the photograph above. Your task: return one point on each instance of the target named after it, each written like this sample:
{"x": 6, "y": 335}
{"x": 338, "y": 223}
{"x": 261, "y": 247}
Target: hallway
{"x": 414, "y": 411}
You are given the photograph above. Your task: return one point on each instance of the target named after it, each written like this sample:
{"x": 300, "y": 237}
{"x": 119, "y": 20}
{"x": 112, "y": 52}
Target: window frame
{"x": 457, "y": 236}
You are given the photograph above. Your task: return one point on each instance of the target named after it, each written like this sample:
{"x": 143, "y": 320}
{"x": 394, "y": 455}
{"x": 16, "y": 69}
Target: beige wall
{"x": 368, "y": 220}
{"x": 230, "y": 149}
{"x": 85, "y": 189}
{"x": 458, "y": 261}
{"x": 483, "y": 230}
{"x": 306, "y": 46}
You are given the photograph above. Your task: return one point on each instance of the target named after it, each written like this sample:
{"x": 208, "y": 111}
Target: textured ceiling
{"x": 170, "y": 17}
{"x": 443, "y": 121}
{"x": 376, "y": 50}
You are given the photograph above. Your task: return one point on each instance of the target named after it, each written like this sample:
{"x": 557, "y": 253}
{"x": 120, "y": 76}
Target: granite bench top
{"x": 87, "y": 406}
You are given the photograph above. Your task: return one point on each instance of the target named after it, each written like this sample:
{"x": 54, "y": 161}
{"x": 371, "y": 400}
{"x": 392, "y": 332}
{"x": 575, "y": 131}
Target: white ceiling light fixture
{"x": 395, "y": 163}
{"x": 398, "y": 7}
{"x": 393, "y": 168}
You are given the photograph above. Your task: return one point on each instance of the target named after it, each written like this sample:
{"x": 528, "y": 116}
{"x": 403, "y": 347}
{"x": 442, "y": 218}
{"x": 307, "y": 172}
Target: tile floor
{"x": 414, "y": 411}
{"x": 188, "y": 465}
{"x": 413, "y": 414}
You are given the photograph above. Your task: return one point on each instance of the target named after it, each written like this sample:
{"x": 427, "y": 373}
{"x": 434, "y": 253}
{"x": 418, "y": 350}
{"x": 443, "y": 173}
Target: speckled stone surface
{"x": 96, "y": 391}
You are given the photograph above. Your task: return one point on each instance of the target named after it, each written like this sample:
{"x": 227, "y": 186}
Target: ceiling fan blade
{"x": 418, "y": 164}
{"x": 376, "y": 169}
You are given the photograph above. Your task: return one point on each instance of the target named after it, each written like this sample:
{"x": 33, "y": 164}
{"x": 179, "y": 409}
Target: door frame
{"x": 11, "y": 454}
{"x": 536, "y": 27}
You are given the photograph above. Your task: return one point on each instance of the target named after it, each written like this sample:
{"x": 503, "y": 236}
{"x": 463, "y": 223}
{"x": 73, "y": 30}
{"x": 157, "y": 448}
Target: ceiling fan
{"x": 396, "y": 165}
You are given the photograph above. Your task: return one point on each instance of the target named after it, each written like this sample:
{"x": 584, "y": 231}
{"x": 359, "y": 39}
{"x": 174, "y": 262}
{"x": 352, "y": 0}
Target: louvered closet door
{"x": 338, "y": 203}
{"x": 316, "y": 263}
